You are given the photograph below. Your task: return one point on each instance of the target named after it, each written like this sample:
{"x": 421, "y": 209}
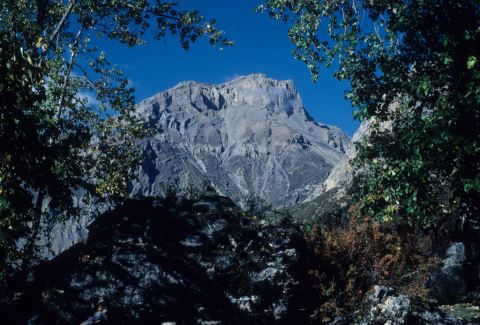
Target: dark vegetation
{"x": 346, "y": 262}
{"x": 413, "y": 69}
{"x": 419, "y": 69}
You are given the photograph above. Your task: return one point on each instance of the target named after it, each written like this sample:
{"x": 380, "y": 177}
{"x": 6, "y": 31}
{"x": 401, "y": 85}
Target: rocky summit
{"x": 249, "y": 136}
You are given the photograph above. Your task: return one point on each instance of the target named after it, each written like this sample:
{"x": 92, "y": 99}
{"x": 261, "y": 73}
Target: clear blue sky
{"x": 261, "y": 46}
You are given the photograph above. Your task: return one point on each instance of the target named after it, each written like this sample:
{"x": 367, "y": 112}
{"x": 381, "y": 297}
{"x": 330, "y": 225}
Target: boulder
{"x": 448, "y": 280}
{"x": 388, "y": 307}
{"x": 157, "y": 260}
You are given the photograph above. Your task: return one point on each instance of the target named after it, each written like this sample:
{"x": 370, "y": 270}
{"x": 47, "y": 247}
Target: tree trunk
{"x": 29, "y": 253}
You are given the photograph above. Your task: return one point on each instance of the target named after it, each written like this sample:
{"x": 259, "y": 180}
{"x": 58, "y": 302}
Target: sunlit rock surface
{"x": 251, "y": 135}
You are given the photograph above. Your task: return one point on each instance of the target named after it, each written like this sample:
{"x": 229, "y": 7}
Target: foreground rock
{"x": 391, "y": 308}
{"x": 456, "y": 274}
{"x": 386, "y": 306}
{"x": 167, "y": 260}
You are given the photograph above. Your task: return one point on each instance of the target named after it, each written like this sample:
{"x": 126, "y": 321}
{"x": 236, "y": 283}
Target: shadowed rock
{"x": 167, "y": 260}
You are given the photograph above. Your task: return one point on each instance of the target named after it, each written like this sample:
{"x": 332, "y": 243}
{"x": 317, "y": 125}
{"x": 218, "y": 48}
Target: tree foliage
{"x": 416, "y": 65}
{"x": 53, "y": 140}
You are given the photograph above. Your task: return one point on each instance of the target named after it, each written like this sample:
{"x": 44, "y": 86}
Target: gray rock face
{"x": 330, "y": 197}
{"x": 391, "y": 308}
{"x": 449, "y": 280}
{"x": 247, "y": 136}
{"x": 342, "y": 173}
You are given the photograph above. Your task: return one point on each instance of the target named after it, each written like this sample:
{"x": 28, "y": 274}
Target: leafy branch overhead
{"x": 414, "y": 64}
{"x": 55, "y": 141}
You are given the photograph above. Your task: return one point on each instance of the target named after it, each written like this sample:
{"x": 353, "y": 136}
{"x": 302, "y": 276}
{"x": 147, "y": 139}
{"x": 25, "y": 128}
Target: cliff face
{"x": 247, "y": 136}
{"x": 342, "y": 173}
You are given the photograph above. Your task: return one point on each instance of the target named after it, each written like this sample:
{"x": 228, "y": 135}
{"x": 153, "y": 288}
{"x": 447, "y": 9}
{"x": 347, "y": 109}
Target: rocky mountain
{"x": 330, "y": 199}
{"x": 249, "y": 136}
{"x": 342, "y": 173}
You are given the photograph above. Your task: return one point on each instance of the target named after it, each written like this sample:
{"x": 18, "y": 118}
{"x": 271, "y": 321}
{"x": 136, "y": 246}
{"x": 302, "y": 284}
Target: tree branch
{"x": 62, "y": 21}
{"x": 86, "y": 80}
{"x": 67, "y": 75}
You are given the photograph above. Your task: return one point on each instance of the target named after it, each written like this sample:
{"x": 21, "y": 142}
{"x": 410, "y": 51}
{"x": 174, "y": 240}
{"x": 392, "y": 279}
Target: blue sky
{"x": 261, "y": 46}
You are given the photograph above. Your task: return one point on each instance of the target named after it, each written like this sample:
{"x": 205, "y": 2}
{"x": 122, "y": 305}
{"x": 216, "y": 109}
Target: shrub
{"x": 345, "y": 264}
{"x": 191, "y": 191}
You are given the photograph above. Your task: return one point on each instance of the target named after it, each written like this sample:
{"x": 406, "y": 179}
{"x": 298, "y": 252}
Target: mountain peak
{"x": 255, "y": 90}
{"x": 250, "y": 135}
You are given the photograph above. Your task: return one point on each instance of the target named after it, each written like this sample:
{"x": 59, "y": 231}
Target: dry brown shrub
{"x": 345, "y": 264}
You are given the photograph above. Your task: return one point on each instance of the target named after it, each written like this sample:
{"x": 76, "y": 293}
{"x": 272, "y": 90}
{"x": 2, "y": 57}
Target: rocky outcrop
{"x": 331, "y": 197}
{"x": 388, "y": 307}
{"x": 168, "y": 260}
{"x": 247, "y": 136}
{"x": 449, "y": 279}
{"x": 341, "y": 174}
{"x": 175, "y": 260}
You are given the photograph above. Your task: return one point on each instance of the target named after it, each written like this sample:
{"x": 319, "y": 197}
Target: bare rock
{"x": 167, "y": 260}
{"x": 449, "y": 279}
{"x": 388, "y": 307}
{"x": 248, "y": 136}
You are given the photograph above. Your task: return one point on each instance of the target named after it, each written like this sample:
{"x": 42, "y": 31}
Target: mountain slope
{"x": 247, "y": 136}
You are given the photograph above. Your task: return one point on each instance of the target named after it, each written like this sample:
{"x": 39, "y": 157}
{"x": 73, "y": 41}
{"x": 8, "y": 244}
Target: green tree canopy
{"x": 415, "y": 64}
{"x": 53, "y": 141}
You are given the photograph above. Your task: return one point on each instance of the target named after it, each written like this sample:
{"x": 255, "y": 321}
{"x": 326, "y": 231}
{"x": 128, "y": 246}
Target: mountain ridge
{"x": 211, "y": 131}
